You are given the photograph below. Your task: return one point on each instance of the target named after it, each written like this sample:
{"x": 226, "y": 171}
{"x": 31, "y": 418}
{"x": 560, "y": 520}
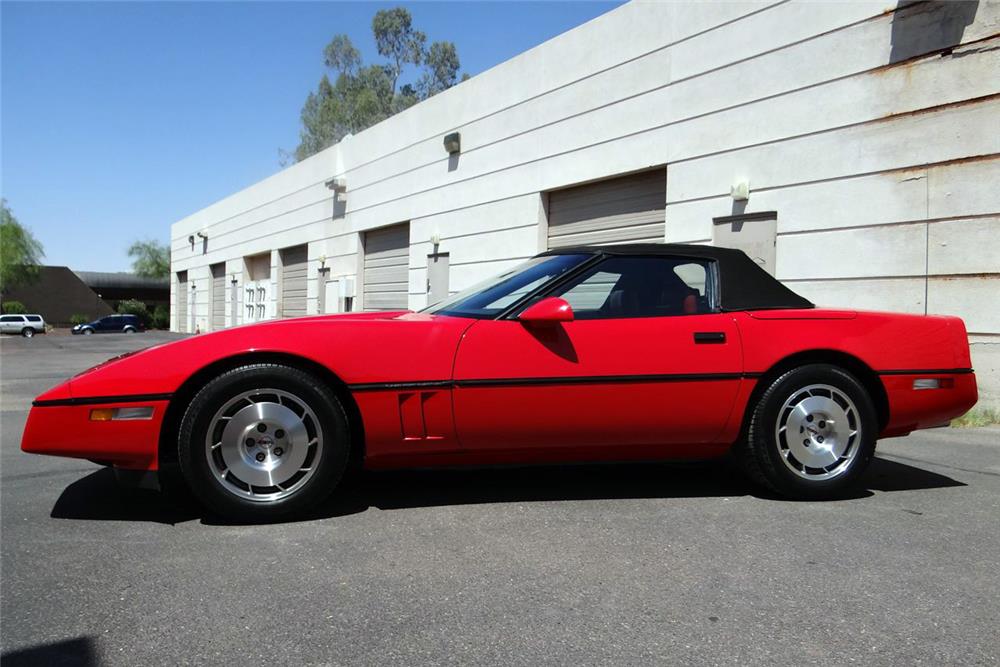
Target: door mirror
{"x": 550, "y": 309}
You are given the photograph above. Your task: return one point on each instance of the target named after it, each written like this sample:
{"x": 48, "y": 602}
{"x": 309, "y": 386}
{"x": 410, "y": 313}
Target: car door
{"x": 646, "y": 361}
{"x": 11, "y": 324}
{"x": 105, "y": 324}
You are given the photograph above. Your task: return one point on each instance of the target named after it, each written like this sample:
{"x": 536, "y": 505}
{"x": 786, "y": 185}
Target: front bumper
{"x": 68, "y": 430}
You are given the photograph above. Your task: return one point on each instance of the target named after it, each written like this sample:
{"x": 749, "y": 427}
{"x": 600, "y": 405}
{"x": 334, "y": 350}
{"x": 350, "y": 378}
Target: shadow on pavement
{"x": 98, "y": 497}
{"x": 80, "y": 652}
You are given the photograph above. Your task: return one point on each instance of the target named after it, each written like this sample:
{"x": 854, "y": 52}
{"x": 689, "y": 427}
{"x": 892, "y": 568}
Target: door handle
{"x": 709, "y": 337}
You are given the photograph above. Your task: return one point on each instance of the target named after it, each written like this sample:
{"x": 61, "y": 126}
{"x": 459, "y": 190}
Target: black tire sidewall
{"x": 774, "y": 468}
{"x": 27, "y": 332}
{"x": 191, "y": 440}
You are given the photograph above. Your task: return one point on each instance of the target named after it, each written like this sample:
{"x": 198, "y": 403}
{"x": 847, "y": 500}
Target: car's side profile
{"x": 119, "y": 323}
{"x": 22, "y": 325}
{"x": 588, "y": 354}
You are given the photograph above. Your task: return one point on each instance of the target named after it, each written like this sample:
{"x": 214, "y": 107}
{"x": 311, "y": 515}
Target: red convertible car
{"x": 585, "y": 354}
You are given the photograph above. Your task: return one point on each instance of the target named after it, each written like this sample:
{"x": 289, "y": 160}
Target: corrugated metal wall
{"x": 387, "y": 259}
{"x": 616, "y": 210}
{"x": 294, "y": 275}
{"x": 182, "y": 301}
{"x": 218, "y": 296}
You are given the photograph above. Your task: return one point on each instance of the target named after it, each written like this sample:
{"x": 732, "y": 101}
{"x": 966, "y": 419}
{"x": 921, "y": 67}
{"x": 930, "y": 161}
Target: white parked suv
{"x": 26, "y": 325}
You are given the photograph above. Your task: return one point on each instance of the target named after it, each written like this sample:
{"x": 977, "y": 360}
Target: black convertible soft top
{"x": 743, "y": 284}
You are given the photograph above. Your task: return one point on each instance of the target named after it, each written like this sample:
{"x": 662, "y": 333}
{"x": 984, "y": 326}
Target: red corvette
{"x": 585, "y": 354}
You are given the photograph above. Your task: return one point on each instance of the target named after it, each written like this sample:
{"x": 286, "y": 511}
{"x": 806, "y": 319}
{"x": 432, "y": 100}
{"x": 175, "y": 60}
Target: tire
{"x": 129, "y": 330}
{"x": 812, "y": 433}
{"x": 27, "y": 332}
{"x": 87, "y": 332}
{"x": 281, "y": 455}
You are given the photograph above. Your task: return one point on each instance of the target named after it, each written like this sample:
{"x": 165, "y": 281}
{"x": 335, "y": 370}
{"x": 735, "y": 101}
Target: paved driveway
{"x": 574, "y": 565}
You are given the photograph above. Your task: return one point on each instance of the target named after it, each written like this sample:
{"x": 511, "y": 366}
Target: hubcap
{"x": 818, "y": 432}
{"x": 263, "y": 445}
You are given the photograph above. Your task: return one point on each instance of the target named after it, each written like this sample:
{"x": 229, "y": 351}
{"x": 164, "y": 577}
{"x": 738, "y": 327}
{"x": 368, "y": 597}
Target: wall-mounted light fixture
{"x": 740, "y": 191}
{"x": 203, "y": 235}
{"x": 322, "y": 261}
{"x": 338, "y": 185}
{"x": 436, "y": 239}
{"x": 453, "y": 143}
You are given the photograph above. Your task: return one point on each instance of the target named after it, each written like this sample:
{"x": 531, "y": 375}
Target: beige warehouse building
{"x": 852, "y": 148}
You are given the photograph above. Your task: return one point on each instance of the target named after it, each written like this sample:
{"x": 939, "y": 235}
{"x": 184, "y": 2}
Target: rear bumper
{"x": 67, "y": 430}
{"x": 911, "y": 408}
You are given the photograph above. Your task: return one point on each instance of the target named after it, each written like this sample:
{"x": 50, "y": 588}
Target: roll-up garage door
{"x": 294, "y": 271}
{"x": 629, "y": 209}
{"x": 387, "y": 260}
{"x": 218, "y": 296}
{"x": 182, "y": 300}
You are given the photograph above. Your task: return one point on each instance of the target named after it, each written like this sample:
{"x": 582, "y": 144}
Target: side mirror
{"x": 550, "y": 309}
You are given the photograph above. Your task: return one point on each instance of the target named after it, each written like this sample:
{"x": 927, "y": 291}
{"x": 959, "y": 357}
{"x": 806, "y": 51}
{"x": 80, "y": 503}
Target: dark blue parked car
{"x": 111, "y": 324}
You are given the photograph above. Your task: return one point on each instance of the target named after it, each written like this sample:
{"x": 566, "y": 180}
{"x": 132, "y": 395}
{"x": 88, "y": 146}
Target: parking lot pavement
{"x": 568, "y": 565}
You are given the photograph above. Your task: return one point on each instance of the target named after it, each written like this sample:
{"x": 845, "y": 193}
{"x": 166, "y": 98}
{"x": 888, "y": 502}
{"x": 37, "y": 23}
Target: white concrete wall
{"x": 880, "y": 171}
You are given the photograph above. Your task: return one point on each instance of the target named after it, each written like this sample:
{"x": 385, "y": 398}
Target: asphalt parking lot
{"x": 567, "y": 565}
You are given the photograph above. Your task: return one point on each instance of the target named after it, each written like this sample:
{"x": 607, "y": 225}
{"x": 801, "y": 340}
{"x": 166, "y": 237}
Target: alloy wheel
{"x": 264, "y": 445}
{"x": 818, "y": 432}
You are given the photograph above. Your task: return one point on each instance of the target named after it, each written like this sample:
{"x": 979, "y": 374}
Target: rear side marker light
{"x": 933, "y": 383}
{"x": 120, "y": 414}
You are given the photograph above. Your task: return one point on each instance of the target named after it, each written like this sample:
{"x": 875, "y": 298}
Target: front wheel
{"x": 812, "y": 433}
{"x": 88, "y": 332}
{"x": 27, "y": 332}
{"x": 262, "y": 441}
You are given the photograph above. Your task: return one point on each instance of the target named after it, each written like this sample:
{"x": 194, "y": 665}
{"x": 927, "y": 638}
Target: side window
{"x": 694, "y": 275}
{"x": 11, "y": 318}
{"x": 34, "y": 318}
{"x": 622, "y": 287}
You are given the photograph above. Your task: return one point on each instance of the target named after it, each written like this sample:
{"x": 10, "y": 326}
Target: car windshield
{"x": 491, "y": 297}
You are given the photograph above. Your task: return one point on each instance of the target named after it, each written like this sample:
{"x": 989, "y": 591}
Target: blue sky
{"x": 121, "y": 118}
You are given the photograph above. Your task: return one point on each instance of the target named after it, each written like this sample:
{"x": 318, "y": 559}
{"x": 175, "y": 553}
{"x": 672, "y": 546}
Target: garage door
{"x": 387, "y": 258}
{"x": 629, "y": 209}
{"x": 218, "y": 296}
{"x": 294, "y": 270}
{"x": 182, "y": 300}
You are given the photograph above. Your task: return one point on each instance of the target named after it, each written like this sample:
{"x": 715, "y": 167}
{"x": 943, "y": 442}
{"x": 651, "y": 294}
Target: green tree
{"x": 341, "y": 56}
{"x": 355, "y": 96}
{"x": 20, "y": 251}
{"x": 441, "y": 63}
{"x": 150, "y": 259}
{"x": 396, "y": 40}
{"x": 134, "y": 307}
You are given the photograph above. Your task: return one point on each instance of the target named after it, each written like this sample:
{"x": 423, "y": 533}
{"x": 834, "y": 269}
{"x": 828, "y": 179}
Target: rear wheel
{"x": 27, "y": 332}
{"x": 263, "y": 441}
{"x": 129, "y": 329}
{"x": 812, "y": 433}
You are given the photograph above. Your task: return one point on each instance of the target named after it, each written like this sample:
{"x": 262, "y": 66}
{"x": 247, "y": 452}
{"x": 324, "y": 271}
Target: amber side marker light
{"x": 120, "y": 414}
